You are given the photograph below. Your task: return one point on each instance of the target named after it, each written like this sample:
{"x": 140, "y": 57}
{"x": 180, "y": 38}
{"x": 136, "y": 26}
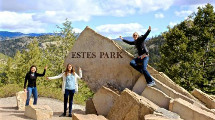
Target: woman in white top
{"x": 69, "y": 86}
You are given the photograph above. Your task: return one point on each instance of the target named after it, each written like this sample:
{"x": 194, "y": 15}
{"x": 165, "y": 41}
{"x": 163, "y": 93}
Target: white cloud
{"x": 159, "y": 15}
{"x": 21, "y": 22}
{"x": 189, "y": 9}
{"x": 172, "y": 24}
{"x": 56, "y": 11}
{"x": 183, "y": 13}
{"x": 116, "y": 30}
{"x": 77, "y": 30}
{"x": 192, "y": 2}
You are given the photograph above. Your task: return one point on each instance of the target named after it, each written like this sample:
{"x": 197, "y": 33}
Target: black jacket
{"x": 32, "y": 79}
{"x": 140, "y": 43}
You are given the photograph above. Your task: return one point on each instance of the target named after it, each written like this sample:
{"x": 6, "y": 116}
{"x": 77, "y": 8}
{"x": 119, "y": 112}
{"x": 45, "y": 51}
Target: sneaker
{"x": 62, "y": 115}
{"x": 151, "y": 84}
{"x": 70, "y": 115}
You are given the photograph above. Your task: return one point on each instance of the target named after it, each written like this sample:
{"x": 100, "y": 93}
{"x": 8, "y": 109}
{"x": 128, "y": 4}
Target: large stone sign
{"x": 103, "y": 62}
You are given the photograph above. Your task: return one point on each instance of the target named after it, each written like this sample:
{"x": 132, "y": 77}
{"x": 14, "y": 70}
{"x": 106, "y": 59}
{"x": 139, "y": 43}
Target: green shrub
{"x": 9, "y": 90}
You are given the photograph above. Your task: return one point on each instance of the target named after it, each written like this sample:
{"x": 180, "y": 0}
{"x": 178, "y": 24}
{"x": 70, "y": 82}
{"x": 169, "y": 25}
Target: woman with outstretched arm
{"x": 140, "y": 63}
{"x": 69, "y": 86}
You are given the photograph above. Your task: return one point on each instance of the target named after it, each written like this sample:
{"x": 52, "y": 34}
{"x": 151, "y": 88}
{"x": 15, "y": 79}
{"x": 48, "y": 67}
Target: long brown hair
{"x": 67, "y": 70}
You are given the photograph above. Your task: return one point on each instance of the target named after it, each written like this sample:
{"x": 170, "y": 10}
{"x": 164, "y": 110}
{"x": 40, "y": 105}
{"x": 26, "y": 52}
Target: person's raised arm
{"x": 44, "y": 72}
{"x": 143, "y": 37}
{"x": 80, "y": 74}
{"x": 126, "y": 41}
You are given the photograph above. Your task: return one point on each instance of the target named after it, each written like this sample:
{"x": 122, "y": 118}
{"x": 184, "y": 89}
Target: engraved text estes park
{"x": 96, "y": 54}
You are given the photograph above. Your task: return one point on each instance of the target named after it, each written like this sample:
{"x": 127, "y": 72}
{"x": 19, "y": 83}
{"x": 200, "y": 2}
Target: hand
{"x": 25, "y": 90}
{"x": 142, "y": 56}
{"x": 45, "y": 67}
{"x": 149, "y": 27}
{"x": 79, "y": 68}
{"x": 121, "y": 37}
{"x": 47, "y": 78}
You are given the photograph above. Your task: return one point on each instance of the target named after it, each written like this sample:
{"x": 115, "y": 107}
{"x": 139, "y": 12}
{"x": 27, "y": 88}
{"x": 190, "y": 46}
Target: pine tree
{"x": 187, "y": 56}
{"x": 58, "y": 49}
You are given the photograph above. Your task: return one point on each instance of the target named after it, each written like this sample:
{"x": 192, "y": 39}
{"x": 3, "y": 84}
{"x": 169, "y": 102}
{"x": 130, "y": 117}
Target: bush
{"x": 9, "y": 90}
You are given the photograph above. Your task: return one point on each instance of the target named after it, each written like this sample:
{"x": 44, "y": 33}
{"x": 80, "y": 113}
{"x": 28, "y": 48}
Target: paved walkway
{"x": 9, "y": 111}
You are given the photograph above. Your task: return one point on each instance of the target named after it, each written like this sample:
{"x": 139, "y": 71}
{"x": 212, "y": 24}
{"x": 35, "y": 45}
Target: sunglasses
{"x": 134, "y": 35}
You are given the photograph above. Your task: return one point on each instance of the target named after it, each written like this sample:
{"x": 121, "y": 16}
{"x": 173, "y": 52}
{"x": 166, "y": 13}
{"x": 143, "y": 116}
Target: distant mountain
{"x": 6, "y": 34}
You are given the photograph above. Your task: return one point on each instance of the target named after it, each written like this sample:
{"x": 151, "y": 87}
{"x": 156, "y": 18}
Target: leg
{"x": 71, "y": 94}
{"x": 34, "y": 91}
{"x": 134, "y": 65}
{"x": 29, "y": 92}
{"x": 144, "y": 70}
{"x": 65, "y": 100}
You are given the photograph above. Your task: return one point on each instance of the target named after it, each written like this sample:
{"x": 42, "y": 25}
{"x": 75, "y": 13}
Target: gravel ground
{"x": 9, "y": 111}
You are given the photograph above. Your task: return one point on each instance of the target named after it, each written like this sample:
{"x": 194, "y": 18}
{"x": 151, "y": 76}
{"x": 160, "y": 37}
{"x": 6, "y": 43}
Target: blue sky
{"x": 110, "y": 18}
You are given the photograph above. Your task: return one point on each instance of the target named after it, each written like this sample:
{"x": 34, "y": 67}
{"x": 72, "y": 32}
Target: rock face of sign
{"x": 103, "y": 62}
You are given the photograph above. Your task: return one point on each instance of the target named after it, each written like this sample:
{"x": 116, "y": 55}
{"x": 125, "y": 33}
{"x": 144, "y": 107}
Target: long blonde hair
{"x": 67, "y": 70}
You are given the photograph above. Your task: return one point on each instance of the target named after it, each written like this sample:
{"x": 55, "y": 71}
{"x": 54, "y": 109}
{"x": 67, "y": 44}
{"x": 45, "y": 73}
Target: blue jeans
{"x": 142, "y": 68}
{"x": 69, "y": 93}
{"x": 31, "y": 90}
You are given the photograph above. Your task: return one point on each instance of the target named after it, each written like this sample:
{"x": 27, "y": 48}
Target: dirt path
{"x": 8, "y": 109}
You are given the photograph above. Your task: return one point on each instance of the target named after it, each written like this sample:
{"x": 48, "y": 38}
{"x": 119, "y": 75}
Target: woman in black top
{"x": 31, "y": 78}
{"x": 140, "y": 63}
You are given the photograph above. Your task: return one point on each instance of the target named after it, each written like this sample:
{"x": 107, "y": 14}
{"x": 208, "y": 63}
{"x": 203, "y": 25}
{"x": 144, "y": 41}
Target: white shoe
{"x": 151, "y": 84}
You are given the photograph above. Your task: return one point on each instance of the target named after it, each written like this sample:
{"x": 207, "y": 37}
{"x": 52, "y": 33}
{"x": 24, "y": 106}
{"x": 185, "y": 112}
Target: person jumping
{"x": 140, "y": 63}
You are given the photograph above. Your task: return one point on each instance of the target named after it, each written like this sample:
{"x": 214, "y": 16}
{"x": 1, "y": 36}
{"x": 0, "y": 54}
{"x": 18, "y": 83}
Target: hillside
{"x": 6, "y": 35}
{"x": 9, "y": 47}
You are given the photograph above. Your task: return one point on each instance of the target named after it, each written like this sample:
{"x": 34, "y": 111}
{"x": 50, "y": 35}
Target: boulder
{"x": 38, "y": 112}
{"x": 90, "y": 108}
{"x": 167, "y": 81}
{"x": 21, "y": 97}
{"x": 167, "y": 114}
{"x": 140, "y": 85}
{"x": 102, "y": 60}
{"x": 157, "y": 97}
{"x": 187, "y": 111}
{"x": 205, "y": 98}
{"x": 87, "y": 117}
{"x": 213, "y": 96}
{"x": 157, "y": 117}
{"x": 131, "y": 106}
{"x": 174, "y": 94}
{"x": 103, "y": 100}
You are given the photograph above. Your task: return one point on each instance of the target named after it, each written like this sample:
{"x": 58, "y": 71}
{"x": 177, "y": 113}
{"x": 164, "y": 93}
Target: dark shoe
{"x": 70, "y": 115}
{"x": 62, "y": 115}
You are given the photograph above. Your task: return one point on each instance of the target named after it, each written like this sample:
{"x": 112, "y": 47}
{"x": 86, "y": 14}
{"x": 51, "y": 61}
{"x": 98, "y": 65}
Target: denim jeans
{"x": 142, "y": 68}
{"x": 31, "y": 90}
{"x": 69, "y": 93}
